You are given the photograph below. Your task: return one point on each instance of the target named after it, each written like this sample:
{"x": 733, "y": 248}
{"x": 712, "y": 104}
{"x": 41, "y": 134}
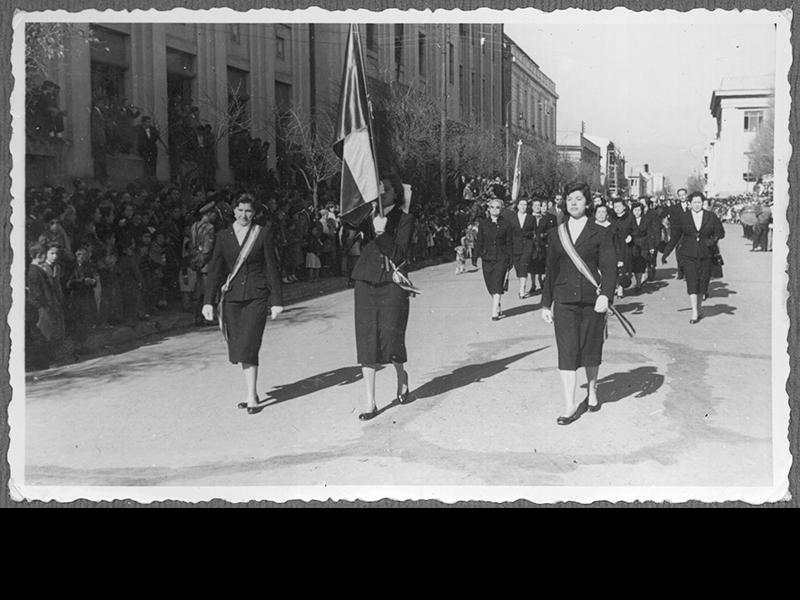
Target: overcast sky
{"x": 647, "y": 87}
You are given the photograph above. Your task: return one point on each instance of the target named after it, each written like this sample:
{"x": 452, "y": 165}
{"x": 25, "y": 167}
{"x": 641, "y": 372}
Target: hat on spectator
{"x": 205, "y": 208}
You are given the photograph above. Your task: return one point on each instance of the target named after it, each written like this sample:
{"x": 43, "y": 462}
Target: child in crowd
{"x": 461, "y": 260}
{"x": 314, "y": 248}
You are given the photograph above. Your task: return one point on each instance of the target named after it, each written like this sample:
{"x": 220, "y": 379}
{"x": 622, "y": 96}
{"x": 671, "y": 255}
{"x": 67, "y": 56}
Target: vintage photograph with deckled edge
{"x": 464, "y": 256}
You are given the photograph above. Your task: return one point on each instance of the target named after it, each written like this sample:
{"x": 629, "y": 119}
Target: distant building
{"x": 740, "y": 106}
{"x": 261, "y": 68}
{"x": 583, "y": 155}
{"x": 612, "y": 166}
{"x": 531, "y": 100}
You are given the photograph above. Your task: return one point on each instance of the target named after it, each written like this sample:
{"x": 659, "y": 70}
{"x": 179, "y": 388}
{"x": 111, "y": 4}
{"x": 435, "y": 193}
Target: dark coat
{"x": 621, "y": 228}
{"x": 546, "y": 223}
{"x": 394, "y": 243}
{"x": 564, "y": 283}
{"x": 45, "y": 295}
{"x": 495, "y": 241}
{"x": 644, "y": 236}
{"x": 693, "y": 243}
{"x": 258, "y": 277}
{"x": 147, "y": 147}
{"x": 522, "y": 235}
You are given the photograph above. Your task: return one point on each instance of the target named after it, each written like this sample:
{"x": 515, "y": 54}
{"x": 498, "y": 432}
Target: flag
{"x": 354, "y": 144}
{"x": 517, "y": 175}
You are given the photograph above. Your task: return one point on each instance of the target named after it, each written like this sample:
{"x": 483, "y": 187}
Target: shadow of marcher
{"x": 522, "y": 309}
{"x": 653, "y": 285}
{"x": 463, "y": 376}
{"x": 636, "y": 308}
{"x": 315, "y": 383}
{"x": 717, "y": 309}
{"x": 719, "y": 289}
{"x": 640, "y": 382}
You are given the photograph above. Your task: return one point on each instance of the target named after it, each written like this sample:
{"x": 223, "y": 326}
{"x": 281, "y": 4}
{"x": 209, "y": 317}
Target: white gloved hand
{"x": 601, "y": 304}
{"x": 208, "y": 312}
{"x": 547, "y": 315}
{"x": 275, "y": 311}
{"x": 379, "y": 223}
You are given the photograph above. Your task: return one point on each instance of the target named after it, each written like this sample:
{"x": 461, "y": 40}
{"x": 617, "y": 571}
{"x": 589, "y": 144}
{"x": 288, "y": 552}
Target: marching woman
{"x": 381, "y": 305}
{"x": 244, "y": 272}
{"x": 622, "y": 228}
{"x": 494, "y": 245}
{"x": 697, "y": 231}
{"x": 544, "y": 222}
{"x": 575, "y": 307}
{"x": 522, "y": 226}
{"x": 643, "y": 244}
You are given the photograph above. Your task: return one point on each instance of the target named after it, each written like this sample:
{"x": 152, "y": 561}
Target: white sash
{"x": 249, "y": 241}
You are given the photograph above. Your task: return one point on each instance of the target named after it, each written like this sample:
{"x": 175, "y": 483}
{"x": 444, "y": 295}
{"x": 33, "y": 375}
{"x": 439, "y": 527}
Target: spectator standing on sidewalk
{"x": 202, "y": 237}
{"x": 81, "y": 306}
{"x": 45, "y": 294}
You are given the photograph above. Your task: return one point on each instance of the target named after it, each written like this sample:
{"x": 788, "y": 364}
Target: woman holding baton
{"x": 570, "y": 302}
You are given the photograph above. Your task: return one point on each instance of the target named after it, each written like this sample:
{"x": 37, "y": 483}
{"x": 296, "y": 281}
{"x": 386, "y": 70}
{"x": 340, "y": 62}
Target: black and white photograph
{"x": 352, "y": 256}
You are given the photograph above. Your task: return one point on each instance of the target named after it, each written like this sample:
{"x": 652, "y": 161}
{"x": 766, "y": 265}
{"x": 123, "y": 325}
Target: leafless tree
{"x": 309, "y": 146}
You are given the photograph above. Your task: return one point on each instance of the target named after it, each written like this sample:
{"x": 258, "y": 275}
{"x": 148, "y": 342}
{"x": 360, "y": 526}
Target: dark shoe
{"x": 574, "y": 416}
{"x": 251, "y": 410}
{"x": 366, "y": 416}
{"x": 693, "y": 321}
{"x": 404, "y": 398}
{"x": 593, "y": 407}
{"x": 495, "y": 318}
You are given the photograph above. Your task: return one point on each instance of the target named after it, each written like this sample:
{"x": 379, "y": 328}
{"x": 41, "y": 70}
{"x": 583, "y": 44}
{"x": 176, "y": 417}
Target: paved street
{"x": 683, "y": 405}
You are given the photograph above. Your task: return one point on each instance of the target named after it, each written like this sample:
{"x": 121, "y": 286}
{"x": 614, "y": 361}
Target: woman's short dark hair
{"x": 585, "y": 190}
{"x": 696, "y": 195}
{"x": 397, "y": 185}
{"x": 522, "y": 199}
{"x": 36, "y": 250}
{"x": 244, "y": 199}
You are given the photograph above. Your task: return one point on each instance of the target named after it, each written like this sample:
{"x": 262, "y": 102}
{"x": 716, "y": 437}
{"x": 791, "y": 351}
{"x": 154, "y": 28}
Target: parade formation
{"x": 569, "y": 268}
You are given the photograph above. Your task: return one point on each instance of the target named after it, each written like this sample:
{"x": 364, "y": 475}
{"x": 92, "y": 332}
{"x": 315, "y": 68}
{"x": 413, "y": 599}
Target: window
{"x": 372, "y": 38}
{"x": 109, "y": 62}
{"x": 451, "y": 62}
{"x": 705, "y": 161}
{"x": 422, "y": 54}
{"x": 398, "y": 49}
{"x": 747, "y": 168}
{"x": 463, "y": 31}
{"x": 237, "y": 96}
{"x": 753, "y": 120}
{"x": 235, "y": 33}
{"x": 283, "y": 41}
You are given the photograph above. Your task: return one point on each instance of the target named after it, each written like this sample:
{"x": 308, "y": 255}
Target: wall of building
{"x": 728, "y": 160}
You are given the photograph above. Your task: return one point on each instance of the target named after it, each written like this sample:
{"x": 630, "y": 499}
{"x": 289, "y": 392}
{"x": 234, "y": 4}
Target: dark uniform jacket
{"x": 564, "y": 282}
{"x": 694, "y": 243}
{"x": 259, "y": 276}
{"x": 621, "y": 228}
{"x": 393, "y": 243}
{"x": 522, "y": 235}
{"x": 495, "y": 241}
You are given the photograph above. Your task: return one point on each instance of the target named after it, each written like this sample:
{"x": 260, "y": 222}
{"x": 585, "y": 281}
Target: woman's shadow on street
{"x": 315, "y": 383}
{"x": 640, "y": 382}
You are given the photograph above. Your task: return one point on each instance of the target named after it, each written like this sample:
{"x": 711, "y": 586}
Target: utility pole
{"x": 443, "y": 133}
{"x": 508, "y": 127}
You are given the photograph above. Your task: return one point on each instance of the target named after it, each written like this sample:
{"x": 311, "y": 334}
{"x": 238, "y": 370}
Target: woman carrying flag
{"x": 574, "y": 304}
{"x": 244, "y": 259}
{"x": 381, "y": 303}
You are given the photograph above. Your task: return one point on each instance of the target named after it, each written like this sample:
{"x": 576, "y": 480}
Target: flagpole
{"x": 357, "y": 39}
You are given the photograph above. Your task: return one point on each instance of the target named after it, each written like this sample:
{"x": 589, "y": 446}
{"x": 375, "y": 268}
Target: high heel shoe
{"x": 574, "y": 416}
{"x": 366, "y": 416}
{"x": 251, "y": 410}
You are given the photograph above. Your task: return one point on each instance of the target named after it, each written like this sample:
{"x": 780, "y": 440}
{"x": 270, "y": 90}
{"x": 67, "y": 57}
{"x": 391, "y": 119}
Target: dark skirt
{"x": 580, "y": 333}
{"x": 494, "y": 275}
{"x": 698, "y": 273}
{"x": 381, "y": 316}
{"x": 522, "y": 264}
{"x": 245, "y": 322}
{"x": 639, "y": 263}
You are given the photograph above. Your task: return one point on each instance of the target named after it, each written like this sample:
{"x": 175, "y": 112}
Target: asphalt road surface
{"x": 683, "y": 405}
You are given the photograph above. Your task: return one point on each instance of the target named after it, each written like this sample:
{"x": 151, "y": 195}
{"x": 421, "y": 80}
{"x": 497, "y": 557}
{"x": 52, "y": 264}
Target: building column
{"x": 75, "y": 79}
{"x": 149, "y": 81}
{"x": 262, "y": 85}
